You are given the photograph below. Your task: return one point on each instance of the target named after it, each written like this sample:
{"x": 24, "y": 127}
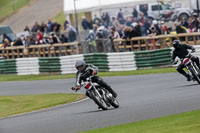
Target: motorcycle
{"x": 102, "y": 97}
{"x": 192, "y": 68}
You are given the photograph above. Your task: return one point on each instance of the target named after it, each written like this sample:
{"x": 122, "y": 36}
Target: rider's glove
{"x": 94, "y": 72}
{"x": 174, "y": 62}
{"x": 77, "y": 88}
{"x": 193, "y": 50}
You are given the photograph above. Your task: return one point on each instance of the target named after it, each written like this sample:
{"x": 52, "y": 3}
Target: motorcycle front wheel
{"x": 194, "y": 74}
{"x": 98, "y": 100}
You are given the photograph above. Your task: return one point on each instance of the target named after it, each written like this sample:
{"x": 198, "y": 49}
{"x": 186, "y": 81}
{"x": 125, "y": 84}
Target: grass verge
{"x": 188, "y": 122}
{"x": 51, "y": 77}
{"x": 11, "y": 105}
{"x": 8, "y": 7}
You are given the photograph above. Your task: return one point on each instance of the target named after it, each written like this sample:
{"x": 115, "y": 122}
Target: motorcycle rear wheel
{"x": 114, "y": 103}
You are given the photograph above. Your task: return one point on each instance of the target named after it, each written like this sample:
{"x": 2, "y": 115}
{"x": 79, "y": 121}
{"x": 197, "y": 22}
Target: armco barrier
{"x": 8, "y": 67}
{"x": 68, "y": 62}
{"x": 153, "y": 58}
{"x": 121, "y": 61}
{"x": 26, "y": 66}
{"x": 49, "y": 65}
{"x": 98, "y": 59}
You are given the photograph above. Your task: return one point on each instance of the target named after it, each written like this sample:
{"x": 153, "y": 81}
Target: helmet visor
{"x": 79, "y": 68}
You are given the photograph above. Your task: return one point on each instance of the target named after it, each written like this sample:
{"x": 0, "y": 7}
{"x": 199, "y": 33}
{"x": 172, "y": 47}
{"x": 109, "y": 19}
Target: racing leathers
{"x": 91, "y": 70}
{"x": 181, "y": 52}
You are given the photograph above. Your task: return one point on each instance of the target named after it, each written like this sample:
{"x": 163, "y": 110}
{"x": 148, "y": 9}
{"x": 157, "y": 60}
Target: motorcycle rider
{"x": 181, "y": 51}
{"x": 86, "y": 70}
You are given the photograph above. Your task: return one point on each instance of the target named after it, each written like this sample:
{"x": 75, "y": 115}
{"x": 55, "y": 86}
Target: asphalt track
{"x": 141, "y": 97}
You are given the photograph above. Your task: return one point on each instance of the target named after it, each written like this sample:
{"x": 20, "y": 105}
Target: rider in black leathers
{"x": 86, "y": 70}
{"x": 181, "y": 51}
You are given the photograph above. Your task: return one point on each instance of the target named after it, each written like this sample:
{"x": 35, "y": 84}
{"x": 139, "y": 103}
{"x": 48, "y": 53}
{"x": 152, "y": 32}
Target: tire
{"x": 194, "y": 74}
{"x": 183, "y": 15}
{"x": 99, "y": 101}
{"x": 114, "y": 103}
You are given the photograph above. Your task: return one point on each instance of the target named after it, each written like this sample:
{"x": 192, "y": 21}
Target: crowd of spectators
{"x": 134, "y": 25}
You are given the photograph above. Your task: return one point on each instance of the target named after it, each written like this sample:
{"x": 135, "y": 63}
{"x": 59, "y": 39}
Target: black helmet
{"x": 176, "y": 43}
{"x": 80, "y": 64}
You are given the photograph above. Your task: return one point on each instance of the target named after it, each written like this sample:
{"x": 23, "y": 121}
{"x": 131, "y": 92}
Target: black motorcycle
{"x": 192, "y": 68}
{"x": 100, "y": 95}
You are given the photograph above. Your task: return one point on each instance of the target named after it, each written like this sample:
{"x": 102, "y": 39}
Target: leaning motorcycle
{"x": 192, "y": 68}
{"x": 102, "y": 97}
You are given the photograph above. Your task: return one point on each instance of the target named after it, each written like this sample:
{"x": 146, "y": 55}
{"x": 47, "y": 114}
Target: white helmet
{"x": 134, "y": 24}
{"x": 80, "y": 63}
{"x": 155, "y": 22}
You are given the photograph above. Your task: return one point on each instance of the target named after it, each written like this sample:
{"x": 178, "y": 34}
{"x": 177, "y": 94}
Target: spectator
{"x": 179, "y": 29}
{"x": 144, "y": 10}
{"x": 184, "y": 23}
{"x": 157, "y": 28}
{"x": 96, "y": 19}
{"x": 35, "y": 27}
{"x": 115, "y": 23}
{"x": 18, "y": 42}
{"x": 135, "y": 12}
{"x": 136, "y": 30}
{"x": 46, "y": 38}
{"x": 39, "y": 37}
{"x": 91, "y": 36}
{"x": 6, "y": 41}
{"x": 65, "y": 23}
{"x": 50, "y": 26}
{"x": 27, "y": 29}
{"x": 63, "y": 39}
{"x": 42, "y": 27}
{"x": 85, "y": 25}
{"x": 72, "y": 35}
{"x": 53, "y": 38}
{"x": 56, "y": 28}
{"x": 120, "y": 17}
{"x": 28, "y": 40}
{"x": 195, "y": 22}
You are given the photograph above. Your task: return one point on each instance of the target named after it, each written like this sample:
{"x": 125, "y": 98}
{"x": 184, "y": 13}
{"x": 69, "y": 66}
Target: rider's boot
{"x": 106, "y": 86}
{"x": 187, "y": 76}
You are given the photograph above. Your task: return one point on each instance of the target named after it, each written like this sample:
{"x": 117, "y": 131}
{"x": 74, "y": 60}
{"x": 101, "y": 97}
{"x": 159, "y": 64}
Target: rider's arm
{"x": 173, "y": 57}
{"x": 78, "y": 79}
{"x": 189, "y": 47}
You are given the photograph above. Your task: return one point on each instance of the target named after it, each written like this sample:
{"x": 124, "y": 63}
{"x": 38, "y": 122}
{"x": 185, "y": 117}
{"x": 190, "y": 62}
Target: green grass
{"x": 51, "y": 77}
{"x": 188, "y": 122}
{"x": 11, "y": 105}
{"x": 8, "y": 7}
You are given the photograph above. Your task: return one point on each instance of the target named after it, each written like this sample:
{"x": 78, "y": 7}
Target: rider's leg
{"x": 181, "y": 71}
{"x": 104, "y": 84}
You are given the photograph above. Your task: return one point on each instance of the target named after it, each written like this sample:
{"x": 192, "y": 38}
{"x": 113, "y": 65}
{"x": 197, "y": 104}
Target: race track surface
{"x": 141, "y": 97}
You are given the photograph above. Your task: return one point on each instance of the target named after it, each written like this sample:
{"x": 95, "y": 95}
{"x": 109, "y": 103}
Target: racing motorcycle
{"x": 102, "y": 97}
{"x": 192, "y": 68}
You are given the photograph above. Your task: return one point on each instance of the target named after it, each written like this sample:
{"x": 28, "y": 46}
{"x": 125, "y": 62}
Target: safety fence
{"x": 153, "y": 58}
{"x": 99, "y": 45}
{"x": 46, "y": 50}
{"x": 154, "y": 42}
{"x": 125, "y": 61}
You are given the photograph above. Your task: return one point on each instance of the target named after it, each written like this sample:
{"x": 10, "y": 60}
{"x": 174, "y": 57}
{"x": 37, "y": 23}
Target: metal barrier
{"x": 46, "y": 50}
{"x": 154, "y": 42}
